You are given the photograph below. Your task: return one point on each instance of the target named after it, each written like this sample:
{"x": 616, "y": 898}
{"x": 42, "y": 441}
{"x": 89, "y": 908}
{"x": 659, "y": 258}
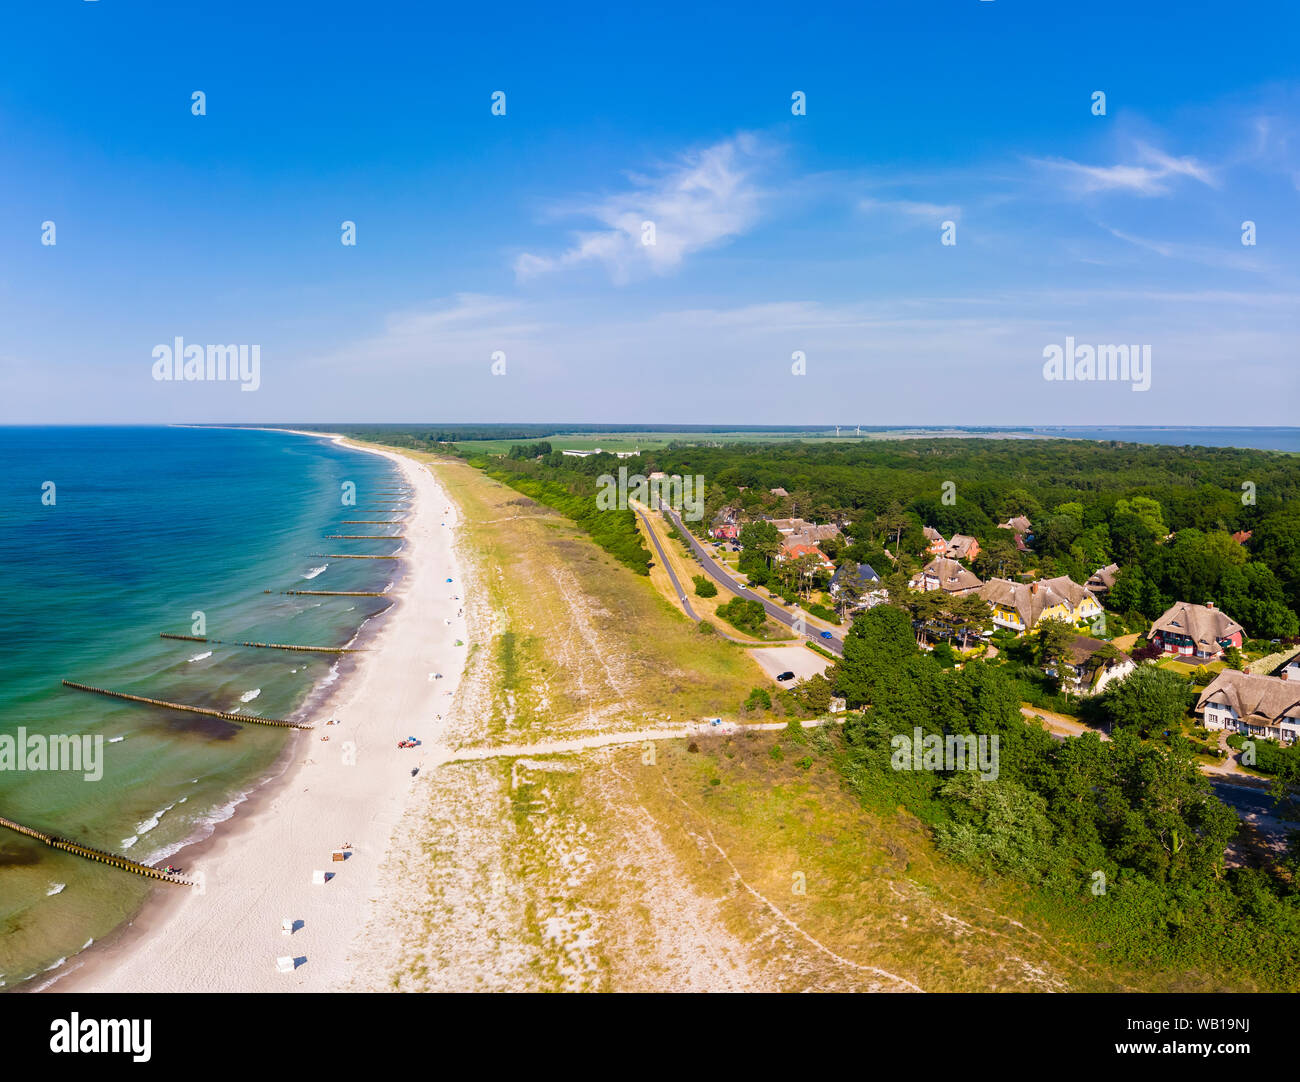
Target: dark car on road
{"x": 787, "y": 675}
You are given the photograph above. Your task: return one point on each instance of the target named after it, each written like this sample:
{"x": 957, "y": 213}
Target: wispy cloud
{"x": 1151, "y": 173}
{"x": 707, "y": 197}
{"x": 1221, "y": 256}
{"x": 935, "y": 212}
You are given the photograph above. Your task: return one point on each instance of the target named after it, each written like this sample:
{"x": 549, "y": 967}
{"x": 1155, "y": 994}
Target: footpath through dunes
{"x": 571, "y": 833}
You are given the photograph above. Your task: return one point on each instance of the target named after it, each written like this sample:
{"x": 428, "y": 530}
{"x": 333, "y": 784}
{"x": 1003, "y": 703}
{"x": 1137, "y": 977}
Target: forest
{"x": 1125, "y": 838}
{"x": 1166, "y": 515}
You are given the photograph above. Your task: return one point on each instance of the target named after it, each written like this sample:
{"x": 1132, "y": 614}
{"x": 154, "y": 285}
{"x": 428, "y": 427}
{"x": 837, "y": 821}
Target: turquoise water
{"x": 148, "y": 527}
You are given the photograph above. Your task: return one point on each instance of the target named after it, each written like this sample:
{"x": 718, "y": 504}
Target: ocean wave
{"x": 128, "y": 842}
{"x": 55, "y": 888}
{"x": 116, "y": 739}
{"x": 249, "y": 696}
{"x": 315, "y": 571}
{"x": 199, "y": 657}
{"x": 203, "y": 827}
{"x": 330, "y": 676}
{"x": 146, "y": 825}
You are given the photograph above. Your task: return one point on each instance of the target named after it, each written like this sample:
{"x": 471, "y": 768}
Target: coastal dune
{"x": 346, "y": 785}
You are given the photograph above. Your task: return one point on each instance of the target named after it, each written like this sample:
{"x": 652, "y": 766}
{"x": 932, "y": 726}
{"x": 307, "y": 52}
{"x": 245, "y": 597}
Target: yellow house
{"x": 1019, "y": 606}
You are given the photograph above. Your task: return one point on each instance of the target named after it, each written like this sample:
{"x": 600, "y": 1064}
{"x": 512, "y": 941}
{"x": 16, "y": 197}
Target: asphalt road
{"x": 1248, "y": 801}
{"x": 715, "y": 572}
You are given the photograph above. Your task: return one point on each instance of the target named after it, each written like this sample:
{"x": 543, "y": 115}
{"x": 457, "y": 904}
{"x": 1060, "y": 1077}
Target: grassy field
{"x": 579, "y": 641}
{"x": 645, "y": 441}
{"x": 686, "y": 568}
{"x": 806, "y": 890}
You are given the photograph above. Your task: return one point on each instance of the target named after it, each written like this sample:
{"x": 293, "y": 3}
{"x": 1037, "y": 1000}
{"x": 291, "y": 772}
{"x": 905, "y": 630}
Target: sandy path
{"x": 352, "y": 788}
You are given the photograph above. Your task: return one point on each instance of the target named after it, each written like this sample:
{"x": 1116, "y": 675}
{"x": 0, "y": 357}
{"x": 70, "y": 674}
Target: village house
{"x": 778, "y": 492}
{"x": 866, "y": 579}
{"x": 1019, "y": 606}
{"x": 788, "y": 526}
{"x": 794, "y": 551}
{"x": 1083, "y": 673}
{"x": 1017, "y": 524}
{"x": 1197, "y": 631}
{"x": 1259, "y": 706}
{"x": 946, "y": 575}
{"x": 1101, "y": 581}
{"x": 935, "y": 545}
{"x": 1020, "y": 529}
{"x": 962, "y": 547}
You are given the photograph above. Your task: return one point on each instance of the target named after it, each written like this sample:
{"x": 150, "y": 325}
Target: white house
{"x": 1261, "y": 706}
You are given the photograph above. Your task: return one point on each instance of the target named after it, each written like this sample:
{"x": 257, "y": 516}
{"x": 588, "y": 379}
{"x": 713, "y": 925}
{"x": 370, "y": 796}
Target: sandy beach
{"x": 352, "y": 788}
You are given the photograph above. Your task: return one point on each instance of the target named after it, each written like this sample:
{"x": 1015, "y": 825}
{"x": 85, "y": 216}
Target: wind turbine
{"x": 837, "y": 431}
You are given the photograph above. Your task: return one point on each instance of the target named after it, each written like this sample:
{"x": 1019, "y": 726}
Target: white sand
{"x": 257, "y": 871}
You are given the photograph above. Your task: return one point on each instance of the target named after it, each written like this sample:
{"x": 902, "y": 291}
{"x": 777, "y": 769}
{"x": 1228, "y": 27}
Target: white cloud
{"x": 708, "y": 197}
{"x": 1150, "y": 175}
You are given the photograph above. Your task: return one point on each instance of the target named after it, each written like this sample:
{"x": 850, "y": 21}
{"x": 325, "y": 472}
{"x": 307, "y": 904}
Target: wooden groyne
{"x": 330, "y": 593}
{"x": 369, "y": 522}
{"x": 97, "y": 854}
{"x": 364, "y": 537}
{"x": 225, "y": 715}
{"x": 265, "y": 645}
{"x": 346, "y": 556}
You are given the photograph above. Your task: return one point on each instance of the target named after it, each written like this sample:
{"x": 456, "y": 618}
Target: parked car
{"x": 787, "y": 675}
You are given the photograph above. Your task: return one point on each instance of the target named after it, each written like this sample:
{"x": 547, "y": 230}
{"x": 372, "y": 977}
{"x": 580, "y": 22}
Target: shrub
{"x": 704, "y": 587}
{"x": 746, "y": 615}
{"x": 823, "y": 613}
{"x": 760, "y": 699}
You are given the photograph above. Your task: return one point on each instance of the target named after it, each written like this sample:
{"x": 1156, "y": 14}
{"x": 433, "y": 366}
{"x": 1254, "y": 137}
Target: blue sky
{"x": 774, "y": 233}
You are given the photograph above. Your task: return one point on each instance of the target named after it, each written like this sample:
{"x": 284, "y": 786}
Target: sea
{"x": 109, "y": 537}
{"x": 1260, "y": 439}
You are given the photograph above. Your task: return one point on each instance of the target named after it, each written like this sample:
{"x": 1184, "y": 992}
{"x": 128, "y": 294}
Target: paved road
{"x": 672, "y": 575}
{"x": 715, "y": 572}
{"x": 1248, "y": 801}
{"x": 663, "y": 562}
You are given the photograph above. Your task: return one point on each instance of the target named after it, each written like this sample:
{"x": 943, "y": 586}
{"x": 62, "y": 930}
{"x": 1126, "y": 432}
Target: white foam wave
{"x": 249, "y": 696}
{"x": 315, "y": 571}
{"x": 199, "y": 657}
{"x": 55, "y": 888}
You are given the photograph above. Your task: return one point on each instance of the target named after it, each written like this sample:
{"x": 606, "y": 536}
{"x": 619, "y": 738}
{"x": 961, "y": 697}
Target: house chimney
{"x": 1209, "y": 604}
{"x": 1033, "y": 589}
